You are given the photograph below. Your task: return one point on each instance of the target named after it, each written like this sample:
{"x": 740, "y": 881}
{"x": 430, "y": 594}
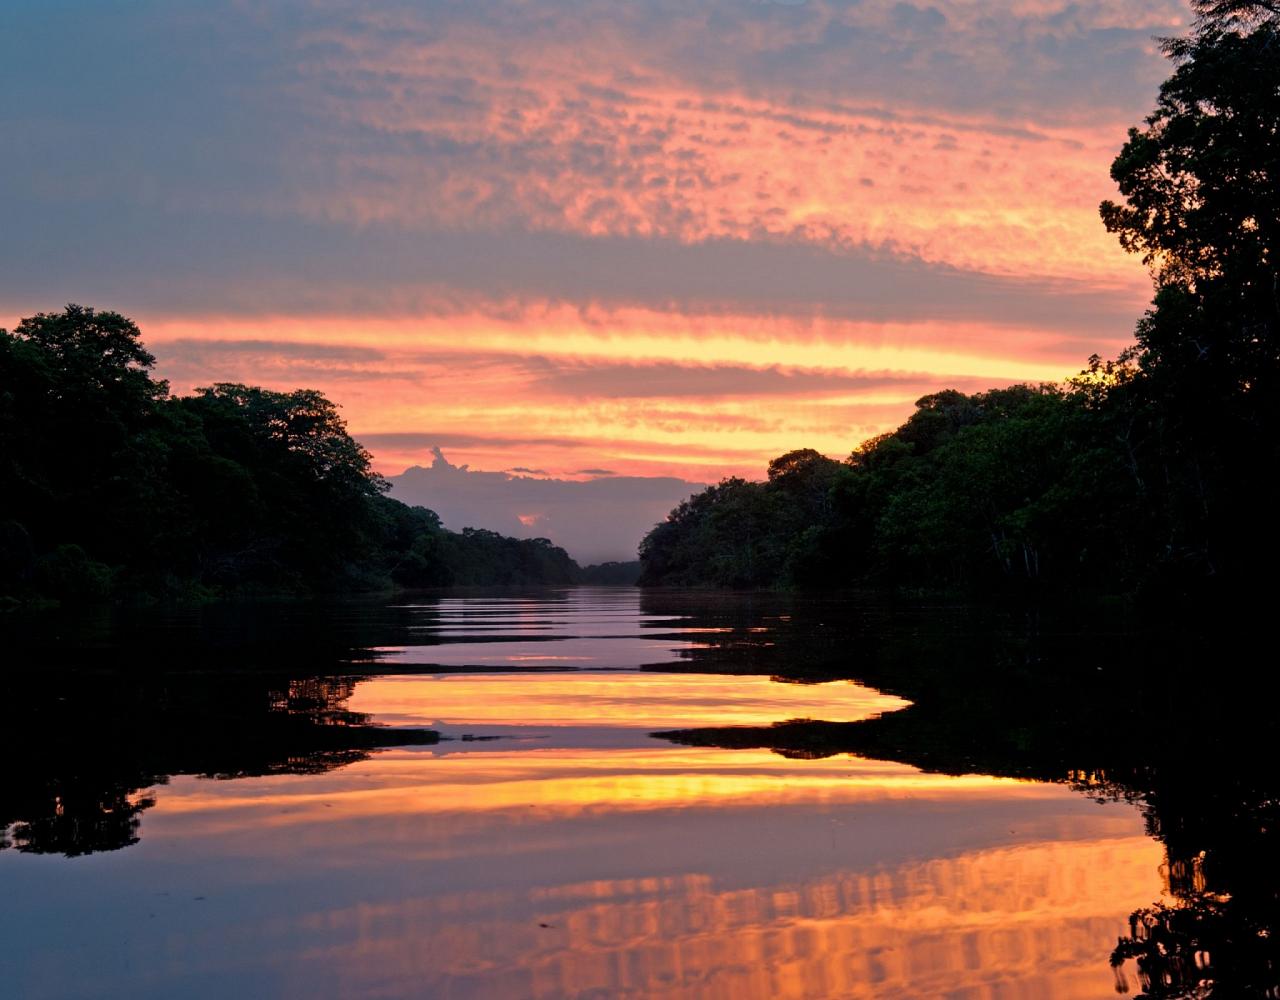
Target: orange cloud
{"x": 523, "y": 382}
{"x": 558, "y": 146}
{"x": 616, "y": 126}
{"x": 452, "y": 220}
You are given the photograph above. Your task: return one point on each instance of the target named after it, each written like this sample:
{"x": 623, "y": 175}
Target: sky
{"x": 597, "y": 515}
{"x": 659, "y": 238}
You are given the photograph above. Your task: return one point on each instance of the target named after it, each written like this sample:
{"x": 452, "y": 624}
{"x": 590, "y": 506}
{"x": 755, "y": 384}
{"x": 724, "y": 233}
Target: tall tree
{"x": 76, "y": 398}
{"x": 1201, "y": 203}
{"x": 1217, "y": 14}
{"x": 1201, "y": 187}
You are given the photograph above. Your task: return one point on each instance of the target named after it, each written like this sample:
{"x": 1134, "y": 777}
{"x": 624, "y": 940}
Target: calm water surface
{"x": 247, "y": 837}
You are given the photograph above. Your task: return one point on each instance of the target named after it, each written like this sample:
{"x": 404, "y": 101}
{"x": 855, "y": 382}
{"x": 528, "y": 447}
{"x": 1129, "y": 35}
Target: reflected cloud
{"x": 657, "y": 873}
{"x": 630, "y": 701}
{"x": 1021, "y": 922}
{"x": 980, "y": 854}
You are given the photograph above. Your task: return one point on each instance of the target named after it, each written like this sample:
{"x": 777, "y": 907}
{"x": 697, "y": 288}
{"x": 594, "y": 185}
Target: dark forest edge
{"x": 113, "y": 488}
{"x": 1149, "y": 474}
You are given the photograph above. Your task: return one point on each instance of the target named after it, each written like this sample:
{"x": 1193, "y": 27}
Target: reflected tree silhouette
{"x": 1068, "y": 695}
{"x": 1117, "y": 715}
{"x": 80, "y": 816}
{"x": 108, "y": 741}
{"x": 1216, "y": 937}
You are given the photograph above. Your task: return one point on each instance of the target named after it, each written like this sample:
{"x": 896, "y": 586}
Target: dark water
{"x": 463, "y": 796}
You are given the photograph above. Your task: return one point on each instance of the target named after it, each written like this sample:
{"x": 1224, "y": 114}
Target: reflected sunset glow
{"x": 494, "y": 874}
{"x": 1020, "y": 922}
{"x": 638, "y": 701}
{"x": 568, "y": 782}
{"x": 548, "y": 846}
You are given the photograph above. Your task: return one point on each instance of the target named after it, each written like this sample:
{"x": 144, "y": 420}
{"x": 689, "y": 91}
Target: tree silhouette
{"x": 110, "y": 487}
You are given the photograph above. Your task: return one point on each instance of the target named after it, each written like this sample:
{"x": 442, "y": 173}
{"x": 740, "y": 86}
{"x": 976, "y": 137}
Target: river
{"x": 578, "y": 793}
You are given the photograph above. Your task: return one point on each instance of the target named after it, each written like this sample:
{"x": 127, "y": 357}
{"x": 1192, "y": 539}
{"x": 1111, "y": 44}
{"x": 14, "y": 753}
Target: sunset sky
{"x": 646, "y": 238}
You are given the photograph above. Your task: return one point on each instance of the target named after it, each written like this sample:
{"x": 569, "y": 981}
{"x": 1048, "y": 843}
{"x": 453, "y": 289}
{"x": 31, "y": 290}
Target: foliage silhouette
{"x": 110, "y": 486}
{"x": 1150, "y": 473}
{"x": 120, "y": 735}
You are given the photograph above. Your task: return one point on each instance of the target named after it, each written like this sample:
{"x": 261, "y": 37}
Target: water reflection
{"x": 604, "y": 709}
{"x": 961, "y": 851}
{"x": 586, "y": 628}
{"x": 1216, "y": 934}
{"x": 1135, "y": 718}
{"x": 92, "y": 749}
{"x": 670, "y": 872}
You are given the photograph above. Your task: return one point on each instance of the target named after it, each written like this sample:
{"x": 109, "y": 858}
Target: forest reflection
{"x": 1159, "y": 721}
{"x": 97, "y": 746}
{"x": 103, "y": 723}
{"x": 1217, "y": 936}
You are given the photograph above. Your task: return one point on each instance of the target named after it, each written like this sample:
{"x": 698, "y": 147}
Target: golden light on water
{"x": 842, "y": 878}
{"x": 1022, "y": 922}
{"x": 575, "y": 855}
{"x": 639, "y": 701}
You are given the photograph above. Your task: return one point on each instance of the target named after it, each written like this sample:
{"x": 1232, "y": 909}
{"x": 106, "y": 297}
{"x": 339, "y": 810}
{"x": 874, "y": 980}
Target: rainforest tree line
{"x": 1153, "y": 470}
{"x": 110, "y": 486}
